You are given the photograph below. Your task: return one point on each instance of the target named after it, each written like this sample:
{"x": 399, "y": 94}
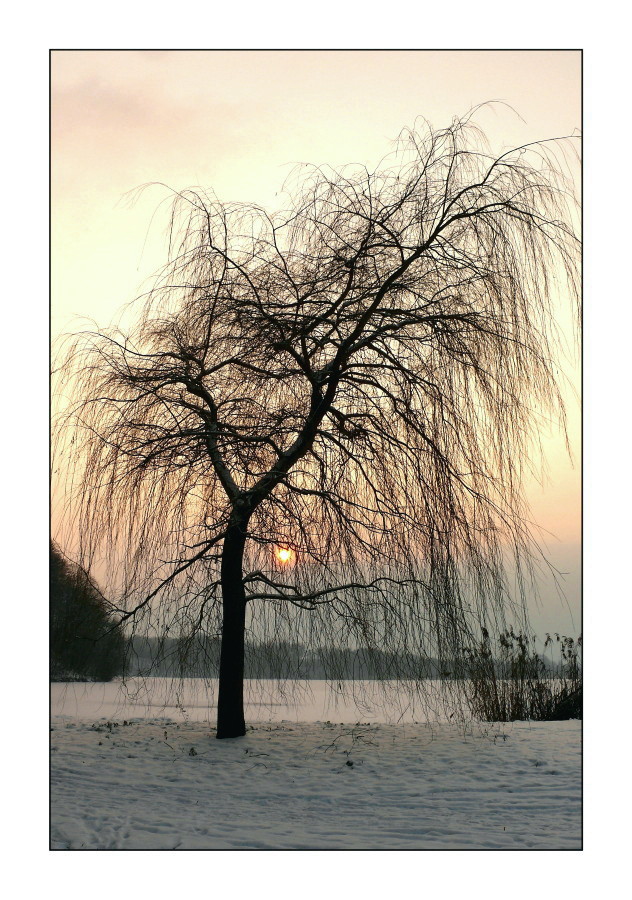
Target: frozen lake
{"x": 194, "y": 700}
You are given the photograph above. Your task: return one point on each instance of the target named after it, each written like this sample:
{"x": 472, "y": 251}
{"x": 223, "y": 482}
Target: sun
{"x": 284, "y": 554}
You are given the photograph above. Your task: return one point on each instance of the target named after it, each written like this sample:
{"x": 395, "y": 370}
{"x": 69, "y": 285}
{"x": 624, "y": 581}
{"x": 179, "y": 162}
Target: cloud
{"x": 115, "y": 126}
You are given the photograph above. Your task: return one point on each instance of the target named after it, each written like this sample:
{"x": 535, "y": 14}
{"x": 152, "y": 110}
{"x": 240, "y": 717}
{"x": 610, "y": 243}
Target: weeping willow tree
{"x": 321, "y": 424}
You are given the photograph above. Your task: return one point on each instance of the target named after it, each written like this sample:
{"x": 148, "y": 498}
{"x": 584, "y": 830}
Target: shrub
{"x": 512, "y": 682}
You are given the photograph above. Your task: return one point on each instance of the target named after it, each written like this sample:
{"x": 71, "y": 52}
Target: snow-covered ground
{"x": 137, "y": 770}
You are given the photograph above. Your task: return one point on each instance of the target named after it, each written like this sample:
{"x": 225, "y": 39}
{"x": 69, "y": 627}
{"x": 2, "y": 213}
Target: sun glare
{"x": 284, "y": 554}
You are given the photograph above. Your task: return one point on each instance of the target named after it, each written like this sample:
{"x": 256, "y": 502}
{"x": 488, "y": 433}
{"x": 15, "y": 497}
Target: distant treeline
{"x": 198, "y": 657}
{"x": 87, "y": 644}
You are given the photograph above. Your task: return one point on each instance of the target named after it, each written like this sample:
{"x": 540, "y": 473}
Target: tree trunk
{"x": 230, "y": 703}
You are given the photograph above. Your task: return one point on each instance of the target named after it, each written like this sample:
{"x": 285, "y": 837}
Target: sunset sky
{"x": 236, "y": 122}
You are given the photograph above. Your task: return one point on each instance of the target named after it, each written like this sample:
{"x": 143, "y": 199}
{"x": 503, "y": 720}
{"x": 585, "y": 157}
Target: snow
{"x": 131, "y": 770}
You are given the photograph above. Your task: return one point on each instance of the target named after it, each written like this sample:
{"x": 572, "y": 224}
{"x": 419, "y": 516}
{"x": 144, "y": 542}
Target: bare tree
{"x": 357, "y": 381}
